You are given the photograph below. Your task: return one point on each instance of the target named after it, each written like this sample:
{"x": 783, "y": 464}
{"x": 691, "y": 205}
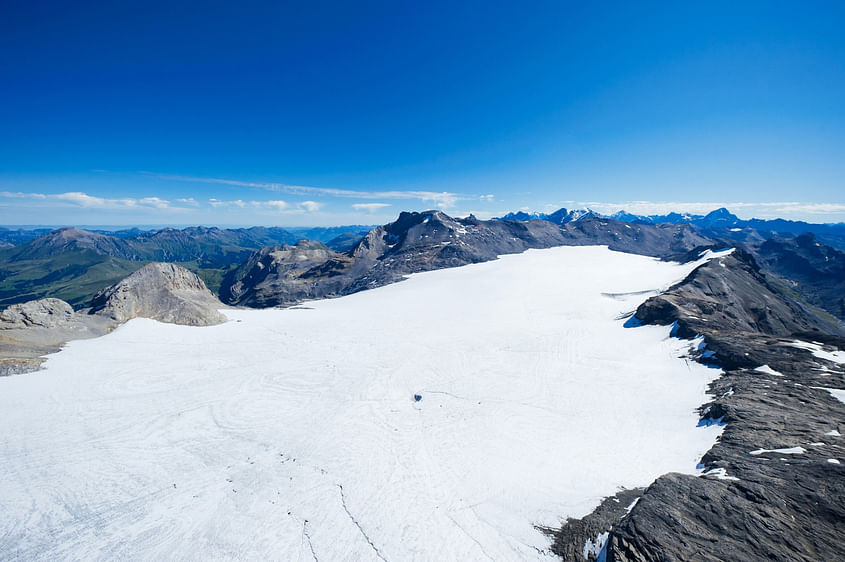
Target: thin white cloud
{"x": 156, "y": 202}
{"x": 278, "y": 204}
{"x": 218, "y": 203}
{"x": 443, "y": 199}
{"x": 21, "y": 195}
{"x": 89, "y": 201}
{"x": 489, "y": 197}
{"x": 81, "y": 199}
{"x": 369, "y": 207}
{"x": 794, "y": 210}
{"x": 812, "y": 208}
{"x": 310, "y": 206}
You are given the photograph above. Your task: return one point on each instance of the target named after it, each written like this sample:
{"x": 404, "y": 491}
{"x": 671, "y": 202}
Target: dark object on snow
{"x": 417, "y": 397}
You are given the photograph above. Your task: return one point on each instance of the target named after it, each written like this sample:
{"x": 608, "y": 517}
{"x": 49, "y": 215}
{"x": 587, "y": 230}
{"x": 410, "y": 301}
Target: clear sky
{"x": 318, "y": 113}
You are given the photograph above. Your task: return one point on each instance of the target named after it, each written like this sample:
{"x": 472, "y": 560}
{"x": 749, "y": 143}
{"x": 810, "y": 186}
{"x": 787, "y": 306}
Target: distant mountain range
{"x": 267, "y": 266}
{"x": 720, "y": 223}
{"x": 253, "y": 237}
{"x": 72, "y": 264}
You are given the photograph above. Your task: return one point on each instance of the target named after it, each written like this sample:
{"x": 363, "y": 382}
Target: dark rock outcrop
{"x": 571, "y": 538}
{"x": 663, "y": 240}
{"x": 769, "y": 490}
{"x": 277, "y": 275}
{"x": 809, "y": 267}
{"x": 730, "y": 298}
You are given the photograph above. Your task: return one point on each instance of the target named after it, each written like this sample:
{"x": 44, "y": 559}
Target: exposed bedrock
{"x": 162, "y": 291}
{"x": 773, "y": 486}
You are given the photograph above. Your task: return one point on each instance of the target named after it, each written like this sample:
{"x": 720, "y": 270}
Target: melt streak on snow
{"x": 294, "y": 434}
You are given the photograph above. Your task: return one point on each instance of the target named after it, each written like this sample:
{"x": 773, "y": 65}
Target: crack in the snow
{"x": 355, "y": 522}
{"x": 308, "y": 538}
{"x": 473, "y": 539}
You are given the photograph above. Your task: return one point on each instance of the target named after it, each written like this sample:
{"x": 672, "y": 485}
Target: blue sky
{"x": 339, "y": 113}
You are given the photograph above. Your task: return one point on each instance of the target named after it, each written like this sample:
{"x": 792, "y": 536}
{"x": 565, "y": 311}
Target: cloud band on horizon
{"x": 444, "y": 199}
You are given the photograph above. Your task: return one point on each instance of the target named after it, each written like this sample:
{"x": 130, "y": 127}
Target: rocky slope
{"x": 28, "y": 331}
{"x": 773, "y": 487}
{"x": 276, "y": 270}
{"x": 662, "y": 240}
{"x": 430, "y": 240}
{"x": 811, "y": 268}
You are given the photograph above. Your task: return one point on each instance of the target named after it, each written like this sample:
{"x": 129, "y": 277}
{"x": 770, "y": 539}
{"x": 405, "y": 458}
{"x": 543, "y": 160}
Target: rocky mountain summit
{"x": 276, "y": 270}
{"x": 161, "y": 291}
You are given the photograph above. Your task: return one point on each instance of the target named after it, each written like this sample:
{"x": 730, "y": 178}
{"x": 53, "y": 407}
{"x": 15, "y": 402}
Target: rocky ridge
{"x": 415, "y": 242}
{"x": 773, "y": 487}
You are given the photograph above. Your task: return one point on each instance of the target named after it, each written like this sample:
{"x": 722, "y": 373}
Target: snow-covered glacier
{"x": 296, "y": 434}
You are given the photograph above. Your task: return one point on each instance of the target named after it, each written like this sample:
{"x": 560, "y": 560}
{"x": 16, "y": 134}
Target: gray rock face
{"x": 43, "y": 313}
{"x": 753, "y": 502}
{"x": 284, "y": 275}
{"x": 661, "y": 240}
{"x": 30, "y": 330}
{"x": 161, "y": 291}
{"x": 730, "y": 300}
{"x": 570, "y": 539}
{"x": 277, "y": 270}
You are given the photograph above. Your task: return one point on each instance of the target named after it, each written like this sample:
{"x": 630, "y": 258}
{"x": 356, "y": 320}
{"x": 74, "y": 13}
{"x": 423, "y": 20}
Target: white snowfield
{"x": 295, "y": 435}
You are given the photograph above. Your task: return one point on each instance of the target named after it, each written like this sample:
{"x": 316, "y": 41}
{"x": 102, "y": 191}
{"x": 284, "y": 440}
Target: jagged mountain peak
{"x": 409, "y": 219}
{"x": 523, "y": 216}
{"x": 562, "y": 216}
{"x": 720, "y": 214}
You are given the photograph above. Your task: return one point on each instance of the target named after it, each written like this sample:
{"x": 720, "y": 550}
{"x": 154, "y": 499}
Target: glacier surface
{"x": 295, "y": 434}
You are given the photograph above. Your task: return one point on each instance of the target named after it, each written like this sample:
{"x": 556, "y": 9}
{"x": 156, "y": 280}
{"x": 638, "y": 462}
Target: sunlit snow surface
{"x": 294, "y": 434}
